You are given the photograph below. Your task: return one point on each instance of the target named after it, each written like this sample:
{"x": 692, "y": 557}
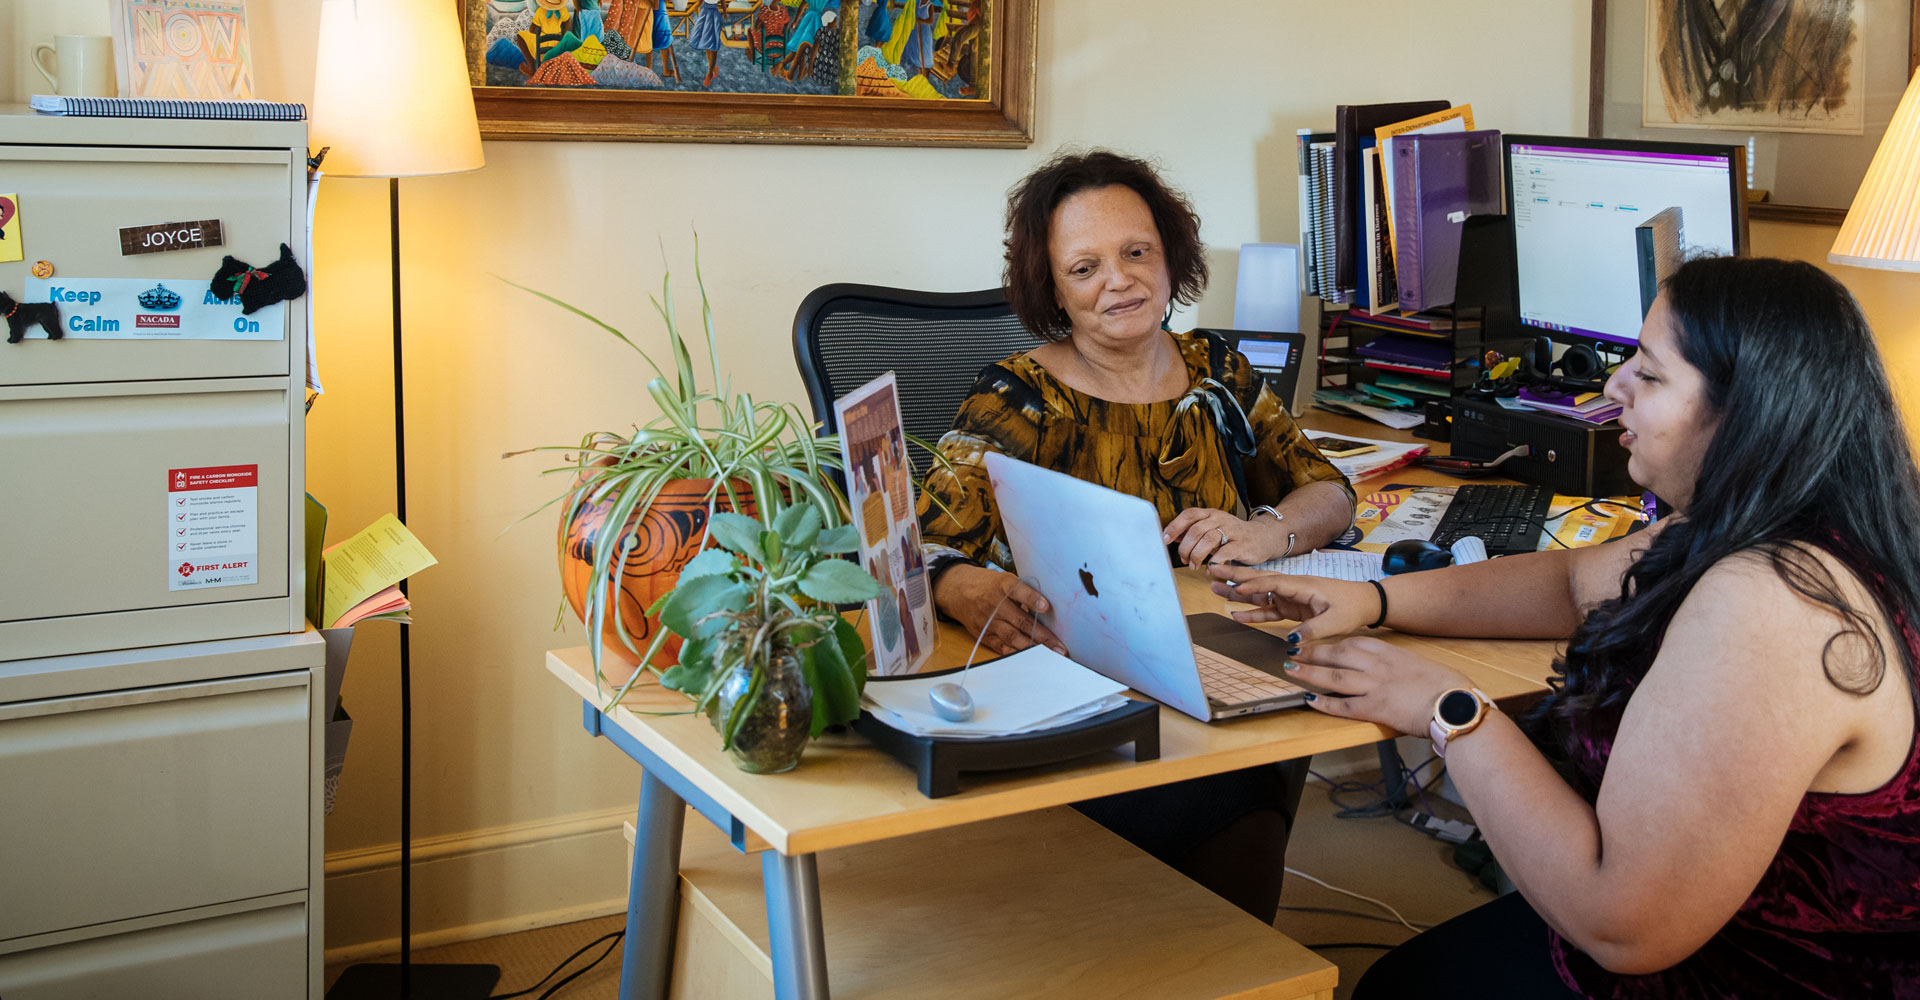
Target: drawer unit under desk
{"x": 143, "y": 513}
{"x": 73, "y": 202}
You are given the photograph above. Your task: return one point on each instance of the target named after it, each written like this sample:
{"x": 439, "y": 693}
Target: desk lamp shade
{"x": 391, "y": 94}
{"x": 1883, "y": 226}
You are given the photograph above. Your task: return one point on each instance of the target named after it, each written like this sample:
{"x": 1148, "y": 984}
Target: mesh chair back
{"x": 935, "y": 343}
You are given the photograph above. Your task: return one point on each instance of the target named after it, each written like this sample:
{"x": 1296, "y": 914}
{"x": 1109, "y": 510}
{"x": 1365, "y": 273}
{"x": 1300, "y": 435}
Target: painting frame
{"x": 1004, "y": 118}
{"x": 1615, "y": 36}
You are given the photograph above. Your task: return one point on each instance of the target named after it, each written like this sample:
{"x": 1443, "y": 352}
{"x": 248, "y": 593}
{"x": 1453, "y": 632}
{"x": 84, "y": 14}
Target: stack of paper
{"x": 359, "y": 576}
{"x": 1389, "y": 456}
{"x": 1031, "y": 690}
{"x": 1592, "y": 407}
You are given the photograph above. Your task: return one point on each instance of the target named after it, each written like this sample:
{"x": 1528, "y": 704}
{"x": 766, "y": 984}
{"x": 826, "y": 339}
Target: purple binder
{"x": 1439, "y": 179}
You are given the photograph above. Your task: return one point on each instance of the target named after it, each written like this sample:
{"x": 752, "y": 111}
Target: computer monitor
{"x": 1599, "y": 223}
{"x": 1277, "y": 358}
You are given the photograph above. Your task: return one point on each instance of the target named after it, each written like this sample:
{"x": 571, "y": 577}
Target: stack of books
{"x": 1592, "y": 407}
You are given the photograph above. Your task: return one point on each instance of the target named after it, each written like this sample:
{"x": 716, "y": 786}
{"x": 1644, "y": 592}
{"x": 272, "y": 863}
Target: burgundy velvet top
{"x": 1837, "y": 913}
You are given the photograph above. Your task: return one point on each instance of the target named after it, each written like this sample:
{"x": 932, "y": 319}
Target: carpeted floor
{"x": 1379, "y": 857}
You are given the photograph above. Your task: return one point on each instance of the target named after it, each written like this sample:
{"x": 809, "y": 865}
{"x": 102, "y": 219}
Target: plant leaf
{"x": 838, "y": 540}
{"x": 710, "y": 562}
{"x": 836, "y": 581}
{"x": 770, "y": 544}
{"x": 695, "y": 599}
{"x": 801, "y": 529}
{"x": 738, "y": 532}
{"x": 852, "y": 650}
{"x": 836, "y": 698}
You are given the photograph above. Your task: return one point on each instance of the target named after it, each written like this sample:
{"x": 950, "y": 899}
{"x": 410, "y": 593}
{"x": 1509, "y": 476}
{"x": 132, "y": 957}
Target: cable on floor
{"x": 615, "y": 936}
{"x": 1416, "y": 928}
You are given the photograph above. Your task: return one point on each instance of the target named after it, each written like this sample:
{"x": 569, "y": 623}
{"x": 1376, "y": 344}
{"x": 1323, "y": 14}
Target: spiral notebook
{"x": 153, "y": 107}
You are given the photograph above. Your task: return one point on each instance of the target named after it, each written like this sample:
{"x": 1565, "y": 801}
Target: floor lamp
{"x": 392, "y": 99}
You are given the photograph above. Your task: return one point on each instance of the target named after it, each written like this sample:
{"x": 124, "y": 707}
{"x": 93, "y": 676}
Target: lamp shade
{"x": 1883, "y": 226}
{"x": 391, "y": 97}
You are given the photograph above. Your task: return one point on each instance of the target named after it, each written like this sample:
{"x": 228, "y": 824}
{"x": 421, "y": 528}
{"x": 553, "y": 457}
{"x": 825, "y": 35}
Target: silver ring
{"x": 1223, "y": 535}
{"x": 1270, "y": 601}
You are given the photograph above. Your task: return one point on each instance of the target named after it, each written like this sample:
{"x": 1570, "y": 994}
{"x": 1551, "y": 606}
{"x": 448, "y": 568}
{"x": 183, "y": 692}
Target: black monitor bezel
{"x": 1737, "y": 191}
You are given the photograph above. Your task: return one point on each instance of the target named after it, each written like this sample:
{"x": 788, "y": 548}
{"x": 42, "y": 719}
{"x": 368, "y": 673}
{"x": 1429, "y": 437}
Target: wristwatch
{"x": 1456, "y": 713}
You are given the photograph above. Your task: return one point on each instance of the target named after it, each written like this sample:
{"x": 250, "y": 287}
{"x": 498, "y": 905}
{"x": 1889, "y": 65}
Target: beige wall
{"x": 518, "y": 807}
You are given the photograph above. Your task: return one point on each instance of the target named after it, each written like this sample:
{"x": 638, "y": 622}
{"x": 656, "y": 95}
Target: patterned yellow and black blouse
{"x": 1169, "y": 453}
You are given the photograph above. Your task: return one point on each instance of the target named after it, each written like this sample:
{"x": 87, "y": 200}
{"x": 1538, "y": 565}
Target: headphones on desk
{"x": 1579, "y": 367}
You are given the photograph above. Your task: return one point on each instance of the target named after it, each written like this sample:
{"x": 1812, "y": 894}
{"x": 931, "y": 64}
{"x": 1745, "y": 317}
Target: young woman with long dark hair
{"x": 1721, "y": 794}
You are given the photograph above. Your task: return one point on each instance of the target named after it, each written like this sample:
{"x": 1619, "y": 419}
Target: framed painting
{"x": 1807, "y": 85}
{"x": 877, "y": 72}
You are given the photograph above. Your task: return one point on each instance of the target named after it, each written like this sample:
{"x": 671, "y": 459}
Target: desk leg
{"x": 793, "y": 924}
{"x": 653, "y": 894}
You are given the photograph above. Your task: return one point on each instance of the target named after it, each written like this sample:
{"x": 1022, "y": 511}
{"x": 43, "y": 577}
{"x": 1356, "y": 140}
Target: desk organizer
{"x": 939, "y": 761}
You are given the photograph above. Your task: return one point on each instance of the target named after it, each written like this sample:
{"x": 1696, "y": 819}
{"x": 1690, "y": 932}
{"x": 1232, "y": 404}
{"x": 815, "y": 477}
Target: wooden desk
{"x": 846, "y": 793}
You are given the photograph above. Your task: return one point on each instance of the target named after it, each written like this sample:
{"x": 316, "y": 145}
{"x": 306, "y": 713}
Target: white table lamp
{"x": 1883, "y": 226}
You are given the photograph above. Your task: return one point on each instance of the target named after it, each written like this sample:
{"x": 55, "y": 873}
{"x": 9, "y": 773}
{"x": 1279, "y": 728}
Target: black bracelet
{"x": 1382, "y": 620}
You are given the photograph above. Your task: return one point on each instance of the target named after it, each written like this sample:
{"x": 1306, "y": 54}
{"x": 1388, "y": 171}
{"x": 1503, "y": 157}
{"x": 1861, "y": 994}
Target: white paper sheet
{"x": 1035, "y": 688}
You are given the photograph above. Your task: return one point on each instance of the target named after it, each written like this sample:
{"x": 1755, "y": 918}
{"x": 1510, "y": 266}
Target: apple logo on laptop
{"x": 1086, "y": 580}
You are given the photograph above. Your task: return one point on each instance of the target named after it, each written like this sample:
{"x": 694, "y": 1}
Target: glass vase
{"x": 778, "y": 721}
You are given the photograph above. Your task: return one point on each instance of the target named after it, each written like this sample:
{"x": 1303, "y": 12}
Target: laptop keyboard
{"x": 1231, "y": 682}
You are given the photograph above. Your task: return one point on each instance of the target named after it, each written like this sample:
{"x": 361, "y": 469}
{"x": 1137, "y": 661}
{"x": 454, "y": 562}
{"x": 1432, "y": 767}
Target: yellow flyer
{"x": 10, "y": 228}
{"x": 380, "y": 556}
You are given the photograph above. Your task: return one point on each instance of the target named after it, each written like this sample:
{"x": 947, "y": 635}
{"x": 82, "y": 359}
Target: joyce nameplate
{"x": 169, "y": 236}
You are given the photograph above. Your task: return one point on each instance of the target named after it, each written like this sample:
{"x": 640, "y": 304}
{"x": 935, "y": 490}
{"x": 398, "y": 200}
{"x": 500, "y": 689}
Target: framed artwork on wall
{"x": 1807, "y": 85}
{"x": 877, "y": 72}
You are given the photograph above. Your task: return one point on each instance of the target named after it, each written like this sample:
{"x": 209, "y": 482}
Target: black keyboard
{"x": 1508, "y": 518}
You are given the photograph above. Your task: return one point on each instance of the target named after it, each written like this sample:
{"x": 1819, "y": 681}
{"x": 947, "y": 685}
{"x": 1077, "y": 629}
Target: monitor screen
{"x": 1599, "y": 223}
{"x": 1265, "y": 355}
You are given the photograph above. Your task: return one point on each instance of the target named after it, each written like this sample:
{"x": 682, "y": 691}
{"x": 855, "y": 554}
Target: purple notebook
{"x": 1439, "y": 180}
{"x": 1419, "y": 352}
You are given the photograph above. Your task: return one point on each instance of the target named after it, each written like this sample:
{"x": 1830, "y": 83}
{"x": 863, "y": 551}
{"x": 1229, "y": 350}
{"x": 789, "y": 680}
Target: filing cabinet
{"x": 161, "y": 745}
{"x": 162, "y": 834}
{"x": 97, "y": 428}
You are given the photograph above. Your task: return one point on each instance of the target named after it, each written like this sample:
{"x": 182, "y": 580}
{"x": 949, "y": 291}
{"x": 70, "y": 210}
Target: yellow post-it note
{"x": 10, "y": 228}
{"x": 381, "y": 555}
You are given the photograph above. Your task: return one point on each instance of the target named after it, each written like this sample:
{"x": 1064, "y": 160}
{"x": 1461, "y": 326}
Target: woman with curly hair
{"x": 1098, "y": 249}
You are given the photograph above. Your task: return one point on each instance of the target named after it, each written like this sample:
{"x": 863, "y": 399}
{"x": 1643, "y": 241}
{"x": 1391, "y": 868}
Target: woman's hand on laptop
{"x": 1323, "y": 607}
{"x": 970, "y": 595}
{"x": 1375, "y": 681}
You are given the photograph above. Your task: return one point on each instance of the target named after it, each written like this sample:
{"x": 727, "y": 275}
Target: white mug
{"x": 85, "y": 65}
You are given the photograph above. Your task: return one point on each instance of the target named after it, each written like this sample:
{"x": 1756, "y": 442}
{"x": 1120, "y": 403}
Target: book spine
{"x": 1407, "y": 258}
{"x": 1309, "y": 249}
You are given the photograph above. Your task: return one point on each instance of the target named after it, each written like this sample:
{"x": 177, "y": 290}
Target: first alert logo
{"x": 186, "y": 569}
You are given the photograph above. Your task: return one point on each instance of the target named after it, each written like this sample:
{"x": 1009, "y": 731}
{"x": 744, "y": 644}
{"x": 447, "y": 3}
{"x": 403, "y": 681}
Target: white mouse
{"x": 951, "y": 702}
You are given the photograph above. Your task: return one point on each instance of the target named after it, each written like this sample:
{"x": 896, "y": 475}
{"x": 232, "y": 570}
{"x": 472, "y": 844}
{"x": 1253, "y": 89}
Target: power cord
{"x": 615, "y": 937}
{"x": 1416, "y": 928}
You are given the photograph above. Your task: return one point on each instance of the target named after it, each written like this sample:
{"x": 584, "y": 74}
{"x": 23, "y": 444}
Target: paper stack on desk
{"x": 1033, "y": 689}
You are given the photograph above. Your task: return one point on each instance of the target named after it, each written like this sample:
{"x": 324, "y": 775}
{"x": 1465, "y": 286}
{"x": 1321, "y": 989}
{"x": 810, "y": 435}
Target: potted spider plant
{"x": 766, "y": 653}
{"x": 640, "y": 506}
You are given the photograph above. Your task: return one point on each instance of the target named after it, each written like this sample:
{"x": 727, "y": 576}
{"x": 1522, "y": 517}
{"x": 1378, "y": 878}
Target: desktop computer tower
{"x": 1571, "y": 457}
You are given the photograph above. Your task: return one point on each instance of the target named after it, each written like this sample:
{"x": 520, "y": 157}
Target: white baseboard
{"x": 477, "y": 884}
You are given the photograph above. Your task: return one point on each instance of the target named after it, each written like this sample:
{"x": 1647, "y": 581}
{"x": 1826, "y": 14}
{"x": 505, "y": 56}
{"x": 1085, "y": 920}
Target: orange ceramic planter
{"x": 659, "y": 543}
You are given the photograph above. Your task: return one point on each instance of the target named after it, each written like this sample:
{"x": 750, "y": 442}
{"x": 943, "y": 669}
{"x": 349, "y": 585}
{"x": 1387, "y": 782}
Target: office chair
{"x": 845, "y": 336}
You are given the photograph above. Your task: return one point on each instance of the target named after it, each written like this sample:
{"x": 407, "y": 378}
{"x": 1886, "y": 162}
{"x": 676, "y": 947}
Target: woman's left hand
{"x": 1206, "y": 535}
{"x": 1375, "y": 681}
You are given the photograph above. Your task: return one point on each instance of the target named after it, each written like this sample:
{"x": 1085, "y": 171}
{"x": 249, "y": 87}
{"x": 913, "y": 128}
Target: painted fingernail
{"x": 1290, "y": 665}
{"x": 1312, "y": 697}
{"x": 1293, "y": 650}
{"x": 1293, "y": 638}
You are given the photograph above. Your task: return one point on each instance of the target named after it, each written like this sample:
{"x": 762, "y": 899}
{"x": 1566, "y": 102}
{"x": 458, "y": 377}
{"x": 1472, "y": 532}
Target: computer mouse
{"x": 951, "y": 702}
{"x": 1410, "y": 555}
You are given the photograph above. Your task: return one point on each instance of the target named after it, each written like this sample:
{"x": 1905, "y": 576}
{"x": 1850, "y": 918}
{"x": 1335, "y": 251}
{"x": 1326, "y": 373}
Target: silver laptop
{"x": 1097, "y": 557}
